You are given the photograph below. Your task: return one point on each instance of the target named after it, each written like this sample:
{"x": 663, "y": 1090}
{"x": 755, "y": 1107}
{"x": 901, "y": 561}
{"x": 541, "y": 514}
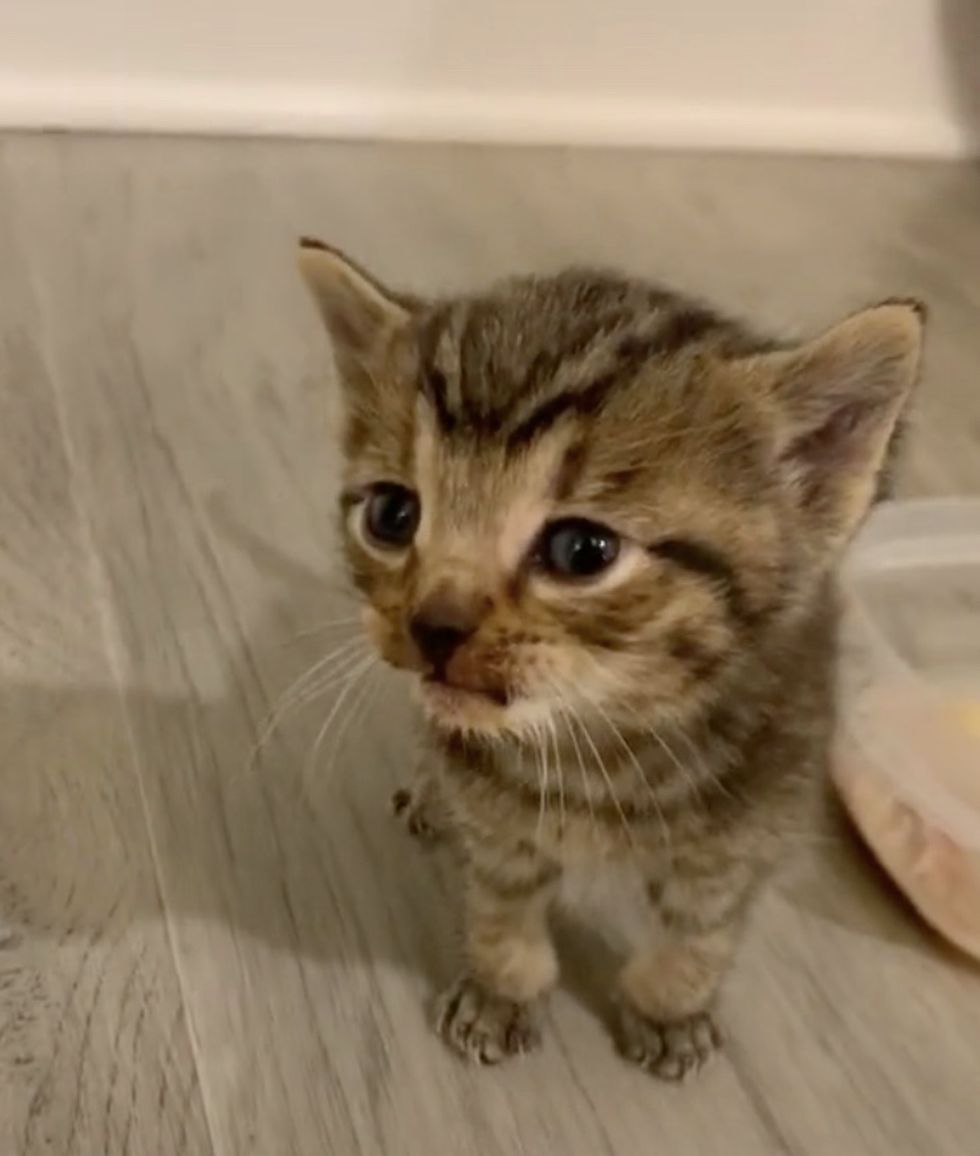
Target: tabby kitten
{"x": 601, "y": 523}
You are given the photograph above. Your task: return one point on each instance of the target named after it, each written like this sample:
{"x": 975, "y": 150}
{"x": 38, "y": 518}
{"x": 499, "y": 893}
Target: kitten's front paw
{"x": 670, "y": 1051}
{"x": 414, "y": 810}
{"x": 483, "y": 1027}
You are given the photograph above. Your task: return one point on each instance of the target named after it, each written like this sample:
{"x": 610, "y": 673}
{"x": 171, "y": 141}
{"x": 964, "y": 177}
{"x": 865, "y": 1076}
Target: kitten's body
{"x": 666, "y": 714}
{"x": 692, "y": 818}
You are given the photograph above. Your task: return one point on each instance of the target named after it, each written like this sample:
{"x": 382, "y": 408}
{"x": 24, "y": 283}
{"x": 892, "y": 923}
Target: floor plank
{"x": 95, "y": 1054}
{"x": 308, "y": 935}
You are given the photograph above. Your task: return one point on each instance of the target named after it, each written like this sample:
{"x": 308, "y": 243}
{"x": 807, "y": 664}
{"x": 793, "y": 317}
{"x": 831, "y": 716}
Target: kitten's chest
{"x": 605, "y": 878}
{"x": 610, "y": 897}
{"x": 573, "y": 822}
{"x": 588, "y": 844}
{"x": 607, "y": 857}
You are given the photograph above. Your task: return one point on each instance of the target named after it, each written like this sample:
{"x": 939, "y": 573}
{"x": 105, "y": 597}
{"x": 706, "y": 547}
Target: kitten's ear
{"x": 361, "y": 315}
{"x": 840, "y": 399}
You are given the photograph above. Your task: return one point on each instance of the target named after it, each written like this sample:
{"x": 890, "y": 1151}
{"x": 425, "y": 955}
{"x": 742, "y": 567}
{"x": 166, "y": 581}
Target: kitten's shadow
{"x": 298, "y": 853}
{"x": 589, "y": 963}
{"x": 388, "y": 900}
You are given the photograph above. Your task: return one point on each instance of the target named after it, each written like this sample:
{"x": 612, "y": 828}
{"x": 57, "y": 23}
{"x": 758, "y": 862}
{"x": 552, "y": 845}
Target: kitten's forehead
{"x": 479, "y": 499}
{"x": 508, "y": 364}
{"x": 550, "y": 391}
{"x": 565, "y": 394}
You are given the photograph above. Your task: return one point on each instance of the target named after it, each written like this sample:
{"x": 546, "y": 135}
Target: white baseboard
{"x": 121, "y": 104}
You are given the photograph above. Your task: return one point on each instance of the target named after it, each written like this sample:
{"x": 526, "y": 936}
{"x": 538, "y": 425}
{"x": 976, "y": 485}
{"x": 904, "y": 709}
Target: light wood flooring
{"x": 207, "y": 953}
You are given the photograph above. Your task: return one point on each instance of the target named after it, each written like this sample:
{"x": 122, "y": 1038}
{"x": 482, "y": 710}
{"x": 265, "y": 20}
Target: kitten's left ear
{"x": 361, "y": 315}
{"x": 840, "y": 399}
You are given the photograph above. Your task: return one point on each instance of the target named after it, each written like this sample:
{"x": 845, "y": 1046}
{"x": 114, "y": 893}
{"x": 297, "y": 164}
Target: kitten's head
{"x": 582, "y": 493}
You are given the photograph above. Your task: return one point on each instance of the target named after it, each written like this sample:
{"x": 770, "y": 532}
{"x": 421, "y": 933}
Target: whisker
{"x": 321, "y": 628}
{"x": 564, "y": 708}
{"x": 329, "y": 678}
{"x": 304, "y": 690}
{"x": 299, "y": 686}
{"x": 639, "y": 770}
{"x": 684, "y": 771}
{"x": 646, "y": 728}
{"x": 652, "y": 731}
{"x": 706, "y": 771}
{"x": 542, "y": 782}
{"x": 609, "y": 784}
{"x": 352, "y": 678}
{"x": 368, "y": 691}
{"x": 314, "y": 681}
{"x": 559, "y": 775}
{"x": 586, "y": 786}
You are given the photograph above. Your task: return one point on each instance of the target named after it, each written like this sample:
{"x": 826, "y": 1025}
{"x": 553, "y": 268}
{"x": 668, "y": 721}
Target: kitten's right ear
{"x": 361, "y": 315}
{"x": 840, "y": 399}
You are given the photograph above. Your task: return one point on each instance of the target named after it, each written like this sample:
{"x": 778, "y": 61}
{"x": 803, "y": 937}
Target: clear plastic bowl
{"x": 907, "y": 758}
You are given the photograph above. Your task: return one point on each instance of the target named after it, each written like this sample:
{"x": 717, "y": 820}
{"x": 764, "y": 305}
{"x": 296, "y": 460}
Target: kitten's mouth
{"x": 491, "y": 713}
{"x": 455, "y": 707}
{"x": 449, "y": 689}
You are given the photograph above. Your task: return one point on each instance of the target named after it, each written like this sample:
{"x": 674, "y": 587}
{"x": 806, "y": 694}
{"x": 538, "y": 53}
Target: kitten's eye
{"x": 576, "y": 548}
{"x": 391, "y": 515}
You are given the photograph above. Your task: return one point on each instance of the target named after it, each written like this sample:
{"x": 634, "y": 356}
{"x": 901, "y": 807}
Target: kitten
{"x": 601, "y": 523}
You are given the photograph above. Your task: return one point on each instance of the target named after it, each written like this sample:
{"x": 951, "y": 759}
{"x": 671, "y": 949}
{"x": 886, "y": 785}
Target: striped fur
{"x": 674, "y": 714}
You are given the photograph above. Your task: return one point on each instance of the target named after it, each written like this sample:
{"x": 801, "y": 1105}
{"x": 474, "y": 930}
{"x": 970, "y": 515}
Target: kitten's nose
{"x": 441, "y": 625}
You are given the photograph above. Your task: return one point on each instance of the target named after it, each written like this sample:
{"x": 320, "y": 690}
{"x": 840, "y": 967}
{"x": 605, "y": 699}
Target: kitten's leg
{"x": 667, "y": 991}
{"x": 488, "y": 1013}
{"x": 420, "y": 806}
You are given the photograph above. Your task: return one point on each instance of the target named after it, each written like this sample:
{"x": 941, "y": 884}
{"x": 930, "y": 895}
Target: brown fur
{"x": 673, "y": 714}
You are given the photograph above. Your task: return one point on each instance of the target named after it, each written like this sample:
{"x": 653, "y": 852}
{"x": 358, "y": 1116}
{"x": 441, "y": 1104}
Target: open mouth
{"x": 454, "y": 693}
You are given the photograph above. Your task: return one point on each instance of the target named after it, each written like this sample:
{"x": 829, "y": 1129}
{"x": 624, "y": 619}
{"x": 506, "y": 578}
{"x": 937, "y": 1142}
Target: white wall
{"x": 838, "y": 75}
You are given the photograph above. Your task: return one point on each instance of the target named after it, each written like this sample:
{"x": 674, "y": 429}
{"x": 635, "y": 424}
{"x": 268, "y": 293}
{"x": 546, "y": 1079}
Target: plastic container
{"x": 907, "y": 758}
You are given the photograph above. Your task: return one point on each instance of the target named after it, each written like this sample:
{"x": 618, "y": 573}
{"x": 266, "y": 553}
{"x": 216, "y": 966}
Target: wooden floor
{"x": 205, "y": 952}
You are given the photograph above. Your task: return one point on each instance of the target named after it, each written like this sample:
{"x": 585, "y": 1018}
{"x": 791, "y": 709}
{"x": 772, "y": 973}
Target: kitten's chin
{"x": 455, "y": 708}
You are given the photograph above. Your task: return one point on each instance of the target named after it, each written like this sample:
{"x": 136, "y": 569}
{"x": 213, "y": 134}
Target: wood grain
{"x": 158, "y": 304}
{"x": 95, "y": 1054}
